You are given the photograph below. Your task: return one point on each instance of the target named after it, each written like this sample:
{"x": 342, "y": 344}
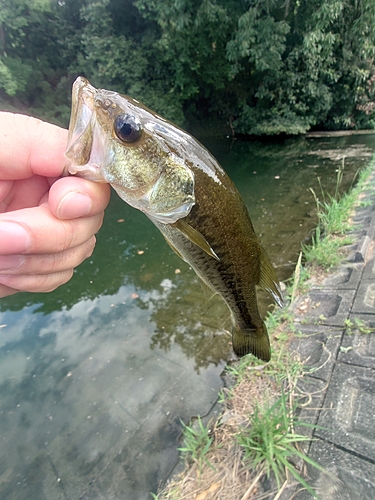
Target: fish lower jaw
{"x": 89, "y": 171}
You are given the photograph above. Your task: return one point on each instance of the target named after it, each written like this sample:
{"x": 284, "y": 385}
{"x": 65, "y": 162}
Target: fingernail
{"x": 8, "y": 262}
{"x": 74, "y": 205}
{"x": 13, "y": 238}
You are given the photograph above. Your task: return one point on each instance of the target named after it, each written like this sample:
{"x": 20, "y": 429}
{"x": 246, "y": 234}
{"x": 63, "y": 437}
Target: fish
{"x": 161, "y": 170}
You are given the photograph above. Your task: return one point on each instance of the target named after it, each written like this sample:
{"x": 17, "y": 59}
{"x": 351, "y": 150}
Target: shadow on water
{"x": 95, "y": 377}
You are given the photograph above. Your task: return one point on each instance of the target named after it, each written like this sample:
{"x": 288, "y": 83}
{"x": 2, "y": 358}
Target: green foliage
{"x": 262, "y": 67}
{"x": 191, "y": 45}
{"x": 357, "y": 325}
{"x": 14, "y": 75}
{"x": 325, "y": 252}
{"x": 333, "y": 224}
{"x": 197, "y": 442}
{"x": 269, "y": 442}
{"x": 318, "y": 47}
{"x": 38, "y": 40}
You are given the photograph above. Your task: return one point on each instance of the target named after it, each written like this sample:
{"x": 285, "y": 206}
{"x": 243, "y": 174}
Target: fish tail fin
{"x": 253, "y": 341}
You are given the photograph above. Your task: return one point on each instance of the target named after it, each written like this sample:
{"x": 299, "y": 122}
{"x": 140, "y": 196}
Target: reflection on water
{"x": 87, "y": 409}
{"x": 95, "y": 377}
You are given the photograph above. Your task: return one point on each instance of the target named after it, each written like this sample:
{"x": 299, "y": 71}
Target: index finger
{"x": 30, "y": 146}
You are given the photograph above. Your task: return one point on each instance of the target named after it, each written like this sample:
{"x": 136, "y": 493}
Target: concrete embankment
{"x": 337, "y": 322}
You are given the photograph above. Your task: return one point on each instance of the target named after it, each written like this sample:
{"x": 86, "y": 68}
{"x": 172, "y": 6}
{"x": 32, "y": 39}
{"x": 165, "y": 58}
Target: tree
{"x": 309, "y": 65}
{"x": 257, "y": 66}
{"x": 36, "y": 42}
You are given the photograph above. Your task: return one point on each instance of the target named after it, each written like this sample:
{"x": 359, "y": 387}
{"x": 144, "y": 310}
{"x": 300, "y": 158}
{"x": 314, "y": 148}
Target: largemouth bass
{"x": 163, "y": 171}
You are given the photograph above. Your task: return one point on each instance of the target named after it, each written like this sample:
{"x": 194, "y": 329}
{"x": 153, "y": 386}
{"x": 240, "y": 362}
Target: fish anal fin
{"x": 195, "y": 237}
{"x": 207, "y": 290}
{"x": 268, "y": 280}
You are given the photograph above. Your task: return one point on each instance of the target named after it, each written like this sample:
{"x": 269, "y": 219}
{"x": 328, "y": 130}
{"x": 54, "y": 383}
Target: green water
{"x": 95, "y": 377}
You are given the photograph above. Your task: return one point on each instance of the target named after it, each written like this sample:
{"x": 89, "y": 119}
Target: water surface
{"x": 96, "y": 376}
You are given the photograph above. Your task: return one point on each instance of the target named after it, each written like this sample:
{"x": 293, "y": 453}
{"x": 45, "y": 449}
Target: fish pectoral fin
{"x": 208, "y": 291}
{"x": 268, "y": 280}
{"x": 195, "y": 237}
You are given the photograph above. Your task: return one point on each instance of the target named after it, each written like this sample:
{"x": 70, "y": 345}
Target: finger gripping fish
{"x": 161, "y": 170}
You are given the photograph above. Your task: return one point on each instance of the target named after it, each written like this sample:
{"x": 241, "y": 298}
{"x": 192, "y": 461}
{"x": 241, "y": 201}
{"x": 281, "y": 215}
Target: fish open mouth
{"x": 80, "y": 134}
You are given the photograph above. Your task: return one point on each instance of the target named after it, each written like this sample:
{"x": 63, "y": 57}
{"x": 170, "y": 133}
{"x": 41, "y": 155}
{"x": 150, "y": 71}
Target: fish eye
{"x": 127, "y": 128}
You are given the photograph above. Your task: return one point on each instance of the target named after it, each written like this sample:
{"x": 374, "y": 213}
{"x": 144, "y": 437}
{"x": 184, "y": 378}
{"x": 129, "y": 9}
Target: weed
{"x": 333, "y": 214}
{"x": 279, "y": 317}
{"x": 357, "y": 325}
{"x": 240, "y": 369}
{"x": 222, "y": 396}
{"x": 325, "y": 252}
{"x": 296, "y": 278}
{"x": 298, "y": 282}
{"x": 348, "y": 324}
{"x": 366, "y": 203}
{"x": 345, "y": 349}
{"x": 362, "y": 327}
{"x": 171, "y": 494}
{"x": 333, "y": 223}
{"x": 269, "y": 443}
{"x": 321, "y": 319}
{"x": 284, "y": 367}
{"x": 197, "y": 441}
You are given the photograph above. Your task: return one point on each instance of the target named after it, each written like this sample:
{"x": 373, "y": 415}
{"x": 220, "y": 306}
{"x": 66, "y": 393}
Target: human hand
{"x": 47, "y": 223}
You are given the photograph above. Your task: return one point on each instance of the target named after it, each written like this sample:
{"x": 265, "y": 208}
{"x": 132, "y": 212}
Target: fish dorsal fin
{"x": 195, "y": 237}
{"x": 268, "y": 280}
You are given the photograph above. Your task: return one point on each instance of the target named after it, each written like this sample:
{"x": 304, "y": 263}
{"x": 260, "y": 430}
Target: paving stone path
{"x": 337, "y": 320}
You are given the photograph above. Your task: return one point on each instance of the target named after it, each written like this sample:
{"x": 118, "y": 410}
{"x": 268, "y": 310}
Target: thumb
{"x": 73, "y": 197}
{"x": 30, "y": 146}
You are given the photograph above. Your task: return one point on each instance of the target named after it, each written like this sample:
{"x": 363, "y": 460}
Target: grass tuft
{"x": 357, "y": 325}
{"x": 270, "y": 442}
{"x": 334, "y": 222}
{"x": 197, "y": 442}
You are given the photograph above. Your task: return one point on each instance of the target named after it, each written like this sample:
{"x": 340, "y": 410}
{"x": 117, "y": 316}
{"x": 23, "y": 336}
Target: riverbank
{"x": 315, "y": 376}
{"x": 338, "y": 133}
